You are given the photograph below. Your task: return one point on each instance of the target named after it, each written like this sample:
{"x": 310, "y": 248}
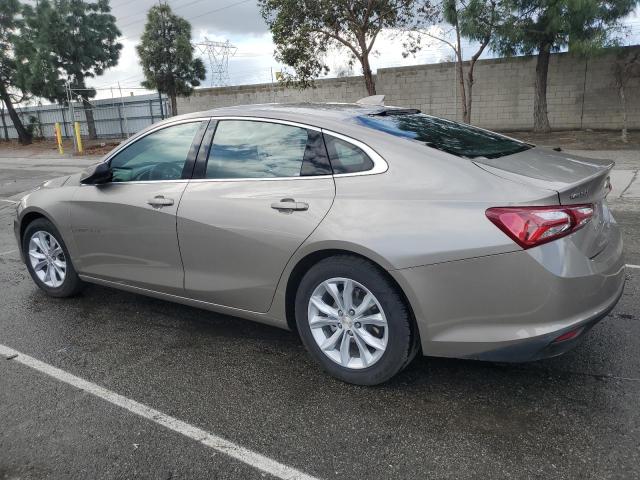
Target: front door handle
{"x": 289, "y": 205}
{"x": 160, "y": 201}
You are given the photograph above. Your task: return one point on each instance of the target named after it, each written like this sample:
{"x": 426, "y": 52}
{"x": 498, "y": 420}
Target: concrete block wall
{"x": 581, "y": 92}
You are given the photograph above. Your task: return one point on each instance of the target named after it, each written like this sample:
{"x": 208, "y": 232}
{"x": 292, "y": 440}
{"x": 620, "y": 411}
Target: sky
{"x": 240, "y": 22}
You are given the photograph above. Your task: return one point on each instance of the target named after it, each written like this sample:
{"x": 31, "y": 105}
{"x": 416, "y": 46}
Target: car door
{"x": 125, "y": 230}
{"x": 264, "y": 188}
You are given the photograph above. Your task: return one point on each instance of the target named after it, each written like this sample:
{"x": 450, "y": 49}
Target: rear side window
{"x": 345, "y": 157}
{"x": 250, "y": 149}
{"x": 452, "y": 137}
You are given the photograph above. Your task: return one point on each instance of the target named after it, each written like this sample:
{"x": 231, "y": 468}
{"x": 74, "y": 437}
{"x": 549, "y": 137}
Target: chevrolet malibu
{"x": 375, "y": 232}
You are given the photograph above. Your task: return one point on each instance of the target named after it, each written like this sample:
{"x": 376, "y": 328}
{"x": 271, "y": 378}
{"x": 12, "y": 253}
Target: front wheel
{"x": 353, "y": 320}
{"x": 48, "y": 260}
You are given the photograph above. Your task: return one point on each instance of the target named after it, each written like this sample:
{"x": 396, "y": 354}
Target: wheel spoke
{"x": 37, "y": 255}
{"x": 367, "y": 302}
{"x": 320, "y": 322}
{"x": 61, "y": 265}
{"x": 39, "y": 245}
{"x": 57, "y": 250}
{"x": 324, "y": 308}
{"x": 332, "y": 288}
{"x": 40, "y": 265}
{"x": 375, "y": 319}
{"x": 59, "y": 271}
{"x": 344, "y": 350}
{"x": 330, "y": 343}
{"x": 347, "y": 294}
{"x": 370, "y": 339}
{"x": 48, "y": 274}
{"x": 43, "y": 242}
{"x": 365, "y": 354}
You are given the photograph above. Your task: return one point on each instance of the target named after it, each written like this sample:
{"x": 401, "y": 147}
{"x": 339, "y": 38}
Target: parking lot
{"x": 231, "y": 399}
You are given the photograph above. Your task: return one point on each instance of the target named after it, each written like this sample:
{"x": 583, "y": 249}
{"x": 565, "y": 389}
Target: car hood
{"x": 56, "y": 182}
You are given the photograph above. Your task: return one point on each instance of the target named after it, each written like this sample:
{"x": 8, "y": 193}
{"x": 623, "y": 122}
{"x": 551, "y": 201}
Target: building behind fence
{"x": 113, "y": 117}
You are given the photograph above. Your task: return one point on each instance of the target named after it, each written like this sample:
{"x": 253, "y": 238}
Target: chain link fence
{"x": 107, "y": 118}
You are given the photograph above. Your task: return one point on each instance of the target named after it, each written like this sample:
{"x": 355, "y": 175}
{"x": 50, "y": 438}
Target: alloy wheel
{"x": 348, "y": 323}
{"x": 47, "y": 259}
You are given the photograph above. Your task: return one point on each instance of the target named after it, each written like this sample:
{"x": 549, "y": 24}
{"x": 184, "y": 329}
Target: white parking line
{"x": 210, "y": 440}
{"x": 632, "y": 266}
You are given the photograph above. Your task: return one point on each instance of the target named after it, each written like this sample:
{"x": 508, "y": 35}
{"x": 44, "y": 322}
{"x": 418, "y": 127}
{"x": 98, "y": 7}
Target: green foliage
{"x": 304, "y": 31}
{"x": 166, "y": 54}
{"x": 68, "y": 40}
{"x": 584, "y": 26}
{"x": 37, "y": 70}
{"x": 10, "y": 23}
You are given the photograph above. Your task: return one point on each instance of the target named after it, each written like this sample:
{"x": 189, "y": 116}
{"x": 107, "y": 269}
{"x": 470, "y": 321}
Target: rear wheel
{"x": 353, "y": 320}
{"x": 48, "y": 260}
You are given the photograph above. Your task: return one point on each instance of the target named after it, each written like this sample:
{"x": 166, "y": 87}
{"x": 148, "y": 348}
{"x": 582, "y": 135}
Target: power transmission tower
{"x": 218, "y": 54}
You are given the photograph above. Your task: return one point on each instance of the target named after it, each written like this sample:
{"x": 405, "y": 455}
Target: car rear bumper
{"x": 512, "y": 306}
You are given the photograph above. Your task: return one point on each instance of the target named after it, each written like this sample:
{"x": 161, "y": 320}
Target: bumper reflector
{"x": 571, "y": 334}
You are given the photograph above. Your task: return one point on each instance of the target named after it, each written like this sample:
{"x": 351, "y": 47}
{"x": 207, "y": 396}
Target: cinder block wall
{"x": 581, "y": 92}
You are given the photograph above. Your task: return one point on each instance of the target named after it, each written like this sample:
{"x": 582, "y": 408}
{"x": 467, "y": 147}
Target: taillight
{"x": 533, "y": 226}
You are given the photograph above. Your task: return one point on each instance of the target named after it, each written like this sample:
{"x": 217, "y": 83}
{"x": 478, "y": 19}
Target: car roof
{"x": 322, "y": 115}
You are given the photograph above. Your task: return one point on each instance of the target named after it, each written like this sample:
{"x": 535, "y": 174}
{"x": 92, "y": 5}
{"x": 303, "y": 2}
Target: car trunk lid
{"x": 577, "y": 180}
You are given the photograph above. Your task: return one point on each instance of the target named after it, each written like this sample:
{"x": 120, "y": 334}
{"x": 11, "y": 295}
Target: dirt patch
{"x": 91, "y": 147}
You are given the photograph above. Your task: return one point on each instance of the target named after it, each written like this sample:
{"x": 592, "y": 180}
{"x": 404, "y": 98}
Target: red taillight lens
{"x": 533, "y": 226}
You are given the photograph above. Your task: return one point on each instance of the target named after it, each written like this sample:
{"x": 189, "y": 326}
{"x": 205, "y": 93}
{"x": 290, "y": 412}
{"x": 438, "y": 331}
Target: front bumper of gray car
{"x": 513, "y": 307}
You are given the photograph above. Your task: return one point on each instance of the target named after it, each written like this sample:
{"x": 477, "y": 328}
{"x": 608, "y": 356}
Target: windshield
{"x": 452, "y": 137}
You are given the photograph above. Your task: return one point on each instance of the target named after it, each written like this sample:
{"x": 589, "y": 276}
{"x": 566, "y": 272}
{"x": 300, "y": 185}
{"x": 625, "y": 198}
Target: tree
{"x": 166, "y": 54}
{"x": 546, "y": 26}
{"x": 85, "y": 43}
{"x": 10, "y": 24}
{"x": 476, "y": 20}
{"x": 625, "y": 69}
{"x": 304, "y": 31}
{"x": 37, "y": 66}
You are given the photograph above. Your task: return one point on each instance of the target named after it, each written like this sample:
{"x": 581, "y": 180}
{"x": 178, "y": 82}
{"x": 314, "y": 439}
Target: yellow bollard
{"x": 76, "y": 126}
{"x": 59, "y": 138}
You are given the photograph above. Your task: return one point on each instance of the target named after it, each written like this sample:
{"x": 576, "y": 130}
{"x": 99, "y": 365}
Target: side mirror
{"x": 97, "y": 174}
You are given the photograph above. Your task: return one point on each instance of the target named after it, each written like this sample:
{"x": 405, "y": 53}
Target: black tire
{"x": 402, "y": 341}
{"x": 72, "y": 284}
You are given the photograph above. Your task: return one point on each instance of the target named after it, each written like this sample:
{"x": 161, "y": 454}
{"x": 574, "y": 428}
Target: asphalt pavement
{"x": 253, "y": 386}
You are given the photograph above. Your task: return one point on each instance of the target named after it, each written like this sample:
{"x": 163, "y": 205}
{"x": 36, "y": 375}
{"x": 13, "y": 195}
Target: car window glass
{"x": 448, "y": 136}
{"x": 161, "y": 155}
{"x": 345, "y": 157}
{"x": 250, "y": 149}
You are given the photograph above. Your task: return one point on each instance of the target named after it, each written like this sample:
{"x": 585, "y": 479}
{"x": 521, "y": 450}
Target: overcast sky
{"x": 240, "y": 22}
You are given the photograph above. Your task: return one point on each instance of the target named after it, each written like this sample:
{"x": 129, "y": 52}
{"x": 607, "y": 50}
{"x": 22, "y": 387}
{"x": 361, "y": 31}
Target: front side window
{"x": 452, "y": 137}
{"x": 161, "y": 155}
{"x": 251, "y": 149}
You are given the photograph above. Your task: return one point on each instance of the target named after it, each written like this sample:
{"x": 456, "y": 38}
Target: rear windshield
{"x": 452, "y": 137}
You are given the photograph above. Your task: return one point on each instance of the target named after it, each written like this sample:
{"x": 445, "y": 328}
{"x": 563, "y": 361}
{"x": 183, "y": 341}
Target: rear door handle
{"x": 289, "y": 205}
{"x": 160, "y": 201}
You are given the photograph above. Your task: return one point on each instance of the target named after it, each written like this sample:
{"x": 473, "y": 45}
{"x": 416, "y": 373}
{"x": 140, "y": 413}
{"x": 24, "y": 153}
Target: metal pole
{"x": 161, "y": 106}
{"x": 71, "y": 113}
{"x": 64, "y": 123}
{"x": 151, "y": 110}
{"x": 124, "y": 111}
